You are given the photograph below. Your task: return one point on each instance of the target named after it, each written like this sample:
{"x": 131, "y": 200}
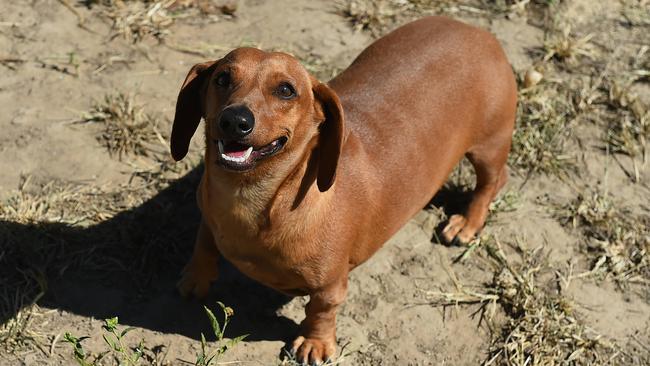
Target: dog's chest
{"x": 274, "y": 250}
{"x": 267, "y": 256}
{"x": 262, "y": 259}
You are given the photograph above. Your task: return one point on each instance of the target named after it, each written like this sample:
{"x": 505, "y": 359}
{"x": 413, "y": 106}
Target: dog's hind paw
{"x": 458, "y": 231}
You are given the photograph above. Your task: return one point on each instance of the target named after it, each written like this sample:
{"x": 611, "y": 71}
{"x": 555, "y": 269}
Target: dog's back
{"x": 416, "y": 101}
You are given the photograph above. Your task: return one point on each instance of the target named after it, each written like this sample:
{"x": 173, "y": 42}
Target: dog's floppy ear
{"x": 330, "y": 140}
{"x": 189, "y": 108}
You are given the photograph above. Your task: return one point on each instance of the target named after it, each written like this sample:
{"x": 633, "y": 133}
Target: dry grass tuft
{"x": 15, "y": 333}
{"x": 545, "y": 116}
{"x": 617, "y": 240}
{"x": 541, "y": 327}
{"x": 128, "y": 129}
{"x": 564, "y": 46}
{"x": 536, "y": 8}
{"x": 628, "y": 127}
{"x": 137, "y": 20}
{"x": 134, "y": 20}
{"x": 372, "y": 16}
{"x": 55, "y": 202}
{"x": 637, "y": 12}
{"x": 378, "y": 17}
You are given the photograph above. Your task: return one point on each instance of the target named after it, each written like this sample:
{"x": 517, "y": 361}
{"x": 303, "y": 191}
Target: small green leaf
{"x": 79, "y": 354}
{"x": 126, "y": 331}
{"x": 101, "y": 356}
{"x": 110, "y": 324}
{"x": 200, "y": 360}
{"x": 139, "y": 351}
{"x": 205, "y": 359}
{"x": 112, "y": 343}
{"x": 236, "y": 340}
{"x": 203, "y": 344}
{"x": 216, "y": 328}
{"x": 70, "y": 338}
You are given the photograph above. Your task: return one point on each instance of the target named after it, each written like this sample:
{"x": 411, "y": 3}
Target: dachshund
{"x": 305, "y": 180}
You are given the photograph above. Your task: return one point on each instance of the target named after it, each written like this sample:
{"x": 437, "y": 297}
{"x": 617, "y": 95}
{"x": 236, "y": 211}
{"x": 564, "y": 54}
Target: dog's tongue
{"x": 235, "y": 150}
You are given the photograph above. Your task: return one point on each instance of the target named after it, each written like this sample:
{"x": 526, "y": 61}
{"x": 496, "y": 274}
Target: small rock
{"x": 532, "y": 78}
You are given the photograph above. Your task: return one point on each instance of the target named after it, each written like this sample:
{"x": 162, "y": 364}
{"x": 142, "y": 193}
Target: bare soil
{"x": 123, "y": 258}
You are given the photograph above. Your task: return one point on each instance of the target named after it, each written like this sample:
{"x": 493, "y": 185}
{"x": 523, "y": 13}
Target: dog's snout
{"x": 236, "y": 122}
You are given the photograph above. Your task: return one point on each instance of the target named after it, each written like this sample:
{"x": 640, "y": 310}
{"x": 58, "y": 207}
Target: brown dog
{"x": 304, "y": 181}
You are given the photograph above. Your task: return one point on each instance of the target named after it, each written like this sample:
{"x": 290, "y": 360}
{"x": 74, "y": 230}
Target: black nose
{"x": 236, "y": 122}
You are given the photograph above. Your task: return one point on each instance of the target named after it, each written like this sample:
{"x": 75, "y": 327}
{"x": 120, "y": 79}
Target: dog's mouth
{"x": 239, "y": 156}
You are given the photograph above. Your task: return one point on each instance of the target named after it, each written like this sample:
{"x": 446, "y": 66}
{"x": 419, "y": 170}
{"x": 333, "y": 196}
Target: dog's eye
{"x": 223, "y": 79}
{"x": 286, "y": 91}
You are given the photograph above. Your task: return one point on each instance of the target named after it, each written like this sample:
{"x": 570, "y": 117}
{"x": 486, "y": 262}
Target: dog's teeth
{"x": 236, "y": 159}
{"x": 247, "y": 154}
{"x": 232, "y": 158}
{"x": 220, "y": 144}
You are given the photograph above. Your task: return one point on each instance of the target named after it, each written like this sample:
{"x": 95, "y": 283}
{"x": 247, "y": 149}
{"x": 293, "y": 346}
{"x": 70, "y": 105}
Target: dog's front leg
{"x": 202, "y": 269}
{"x": 317, "y": 340}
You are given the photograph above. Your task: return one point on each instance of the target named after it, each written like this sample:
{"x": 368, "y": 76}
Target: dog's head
{"x": 262, "y": 110}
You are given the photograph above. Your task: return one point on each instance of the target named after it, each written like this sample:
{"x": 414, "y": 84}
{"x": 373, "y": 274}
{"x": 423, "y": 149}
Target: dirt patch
{"x": 96, "y": 220}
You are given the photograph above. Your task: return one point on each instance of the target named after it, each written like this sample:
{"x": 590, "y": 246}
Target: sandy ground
{"x": 60, "y": 69}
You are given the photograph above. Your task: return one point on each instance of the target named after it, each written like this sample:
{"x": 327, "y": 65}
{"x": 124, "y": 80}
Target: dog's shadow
{"x": 451, "y": 199}
{"x": 127, "y": 266}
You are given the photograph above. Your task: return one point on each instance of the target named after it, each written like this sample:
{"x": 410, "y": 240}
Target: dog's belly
{"x": 386, "y": 198}
{"x": 278, "y": 278}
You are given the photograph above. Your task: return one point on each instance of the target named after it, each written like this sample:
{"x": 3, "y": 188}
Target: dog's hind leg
{"x": 202, "y": 268}
{"x": 489, "y": 161}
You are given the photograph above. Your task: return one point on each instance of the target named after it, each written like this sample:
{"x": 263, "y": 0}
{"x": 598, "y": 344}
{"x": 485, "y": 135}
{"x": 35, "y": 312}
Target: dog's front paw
{"x": 312, "y": 351}
{"x": 196, "y": 281}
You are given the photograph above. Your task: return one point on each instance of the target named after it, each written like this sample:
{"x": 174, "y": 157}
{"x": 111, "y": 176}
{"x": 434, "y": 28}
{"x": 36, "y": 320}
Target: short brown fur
{"x": 364, "y": 153}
